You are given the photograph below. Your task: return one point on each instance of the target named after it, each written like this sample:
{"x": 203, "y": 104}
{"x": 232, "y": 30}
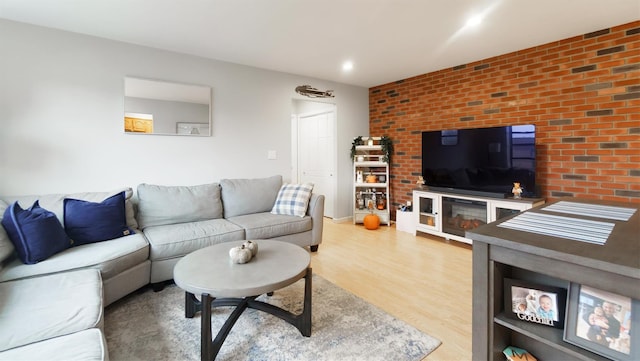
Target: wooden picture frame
{"x": 535, "y": 303}
{"x": 603, "y": 322}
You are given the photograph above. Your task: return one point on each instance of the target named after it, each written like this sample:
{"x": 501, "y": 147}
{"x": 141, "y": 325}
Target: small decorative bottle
{"x": 382, "y": 202}
{"x": 370, "y": 203}
{"x": 373, "y": 199}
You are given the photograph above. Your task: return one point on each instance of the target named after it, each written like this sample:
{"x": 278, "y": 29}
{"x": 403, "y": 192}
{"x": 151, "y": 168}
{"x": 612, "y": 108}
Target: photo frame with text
{"x": 535, "y": 303}
{"x": 603, "y": 322}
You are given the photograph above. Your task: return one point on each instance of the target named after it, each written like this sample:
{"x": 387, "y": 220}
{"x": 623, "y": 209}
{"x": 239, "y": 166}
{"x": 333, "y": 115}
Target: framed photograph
{"x": 604, "y": 323}
{"x": 535, "y": 303}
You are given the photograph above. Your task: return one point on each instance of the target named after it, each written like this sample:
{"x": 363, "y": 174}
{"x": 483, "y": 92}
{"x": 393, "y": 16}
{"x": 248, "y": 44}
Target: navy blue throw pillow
{"x": 35, "y": 232}
{"x": 89, "y": 222}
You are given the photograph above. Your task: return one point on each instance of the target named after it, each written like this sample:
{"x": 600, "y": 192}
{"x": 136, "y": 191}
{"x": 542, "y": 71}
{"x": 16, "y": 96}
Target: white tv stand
{"x": 450, "y": 215}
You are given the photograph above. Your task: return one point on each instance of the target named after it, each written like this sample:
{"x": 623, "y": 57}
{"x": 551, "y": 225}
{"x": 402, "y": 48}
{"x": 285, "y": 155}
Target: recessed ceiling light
{"x": 347, "y": 66}
{"x": 474, "y": 20}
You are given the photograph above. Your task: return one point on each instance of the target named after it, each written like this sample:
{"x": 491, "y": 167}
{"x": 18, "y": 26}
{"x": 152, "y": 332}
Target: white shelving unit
{"x": 370, "y": 192}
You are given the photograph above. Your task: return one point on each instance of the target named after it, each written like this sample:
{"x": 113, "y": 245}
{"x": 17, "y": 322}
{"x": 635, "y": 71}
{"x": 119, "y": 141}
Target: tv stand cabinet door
{"x": 507, "y": 208}
{"x": 426, "y": 209}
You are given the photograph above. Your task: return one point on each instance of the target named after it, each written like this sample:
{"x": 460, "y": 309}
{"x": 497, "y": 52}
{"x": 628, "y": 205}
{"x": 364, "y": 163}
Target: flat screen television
{"x": 480, "y": 161}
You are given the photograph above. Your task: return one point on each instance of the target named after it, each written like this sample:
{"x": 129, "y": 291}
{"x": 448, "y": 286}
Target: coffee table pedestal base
{"x": 209, "y": 348}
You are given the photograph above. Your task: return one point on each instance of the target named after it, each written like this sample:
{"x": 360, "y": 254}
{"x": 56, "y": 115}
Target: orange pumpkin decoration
{"x": 371, "y": 221}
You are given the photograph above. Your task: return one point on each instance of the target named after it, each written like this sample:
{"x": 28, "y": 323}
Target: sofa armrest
{"x": 316, "y": 211}
{"x": 6, "y": 248}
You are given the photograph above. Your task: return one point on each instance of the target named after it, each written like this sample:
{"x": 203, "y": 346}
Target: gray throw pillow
{"x": 160, "y": 205}
{"x": 247, "y": 196}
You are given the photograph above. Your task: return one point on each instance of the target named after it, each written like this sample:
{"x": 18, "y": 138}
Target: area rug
{"x": 151, "y": 326}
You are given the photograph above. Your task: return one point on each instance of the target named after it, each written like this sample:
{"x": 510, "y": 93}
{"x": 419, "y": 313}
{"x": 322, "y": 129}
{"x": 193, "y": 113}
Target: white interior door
{"x": 316, "y": 154}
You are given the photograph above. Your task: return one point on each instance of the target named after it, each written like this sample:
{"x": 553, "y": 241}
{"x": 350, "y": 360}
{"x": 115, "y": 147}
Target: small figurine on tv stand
{"x": 517, "y": 190}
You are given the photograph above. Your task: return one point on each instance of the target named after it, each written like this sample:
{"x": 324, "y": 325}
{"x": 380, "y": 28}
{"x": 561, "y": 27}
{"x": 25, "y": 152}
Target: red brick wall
{"x": 582, "y": 93}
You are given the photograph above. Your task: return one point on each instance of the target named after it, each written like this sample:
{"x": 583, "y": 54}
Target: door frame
{"x": 295, "y": 176}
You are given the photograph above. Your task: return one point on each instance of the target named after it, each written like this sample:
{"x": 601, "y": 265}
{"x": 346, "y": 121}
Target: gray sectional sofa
{"x": 179, "y": 220}
{"x": 169, "y": 222}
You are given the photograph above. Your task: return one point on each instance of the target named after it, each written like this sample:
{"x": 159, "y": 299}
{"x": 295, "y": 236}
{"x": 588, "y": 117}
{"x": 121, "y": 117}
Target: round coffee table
{"x": 209, "y": 272}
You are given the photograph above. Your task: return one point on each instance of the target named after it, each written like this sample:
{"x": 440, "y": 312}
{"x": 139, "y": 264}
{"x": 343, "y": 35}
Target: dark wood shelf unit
{"x": 500, "y": 253}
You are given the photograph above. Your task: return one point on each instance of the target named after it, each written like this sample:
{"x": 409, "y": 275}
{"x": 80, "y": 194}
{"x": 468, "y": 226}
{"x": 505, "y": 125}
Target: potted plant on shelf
{"x": 356, "y": 141}
{"x": 387, "y": 148}
{"x": 385, "y": 142}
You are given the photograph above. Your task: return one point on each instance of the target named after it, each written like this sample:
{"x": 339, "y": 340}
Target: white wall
{"x": 302, "y": 106}
{"x": 61, "y": 108}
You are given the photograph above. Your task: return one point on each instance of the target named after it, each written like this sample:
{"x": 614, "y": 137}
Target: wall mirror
{"x": 165, "y": 108}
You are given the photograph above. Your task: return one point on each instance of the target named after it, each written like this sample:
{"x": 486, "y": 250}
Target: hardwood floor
{"x": 424, "y": 281}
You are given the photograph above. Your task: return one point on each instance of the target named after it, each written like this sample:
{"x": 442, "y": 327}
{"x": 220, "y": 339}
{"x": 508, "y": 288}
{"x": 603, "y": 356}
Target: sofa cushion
{"x": 160, "y": 205}
{"x": 110, "y": 258}
{"x": 267, "y": 225}
{"x": 35, "y": 232}
{"x": 87, "y": 345}
{"x": 88, "y": 222}
{"x": 55, "y": 202}
{"x": 41, "y": 308}
{"x": 6, "y": 247}
{"x": 177, "y": 240}
{"x": 246, "y": 196}
{"x": 293, "y": 199}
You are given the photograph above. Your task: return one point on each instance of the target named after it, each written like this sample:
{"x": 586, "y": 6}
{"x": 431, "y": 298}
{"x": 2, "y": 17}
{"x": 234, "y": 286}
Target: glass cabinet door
{"x": 505, "y": 212}
{"x": 502, "y": 209}
{"x": 427, "y": 206}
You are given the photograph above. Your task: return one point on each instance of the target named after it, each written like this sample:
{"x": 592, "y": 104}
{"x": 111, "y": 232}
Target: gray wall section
{"x": 61, "y": 108}
{"x": 309, "y": 106}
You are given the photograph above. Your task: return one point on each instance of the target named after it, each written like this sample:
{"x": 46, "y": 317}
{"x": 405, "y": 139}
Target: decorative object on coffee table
{"x": 240, "y": 254}
{"x": 251, "y": 246}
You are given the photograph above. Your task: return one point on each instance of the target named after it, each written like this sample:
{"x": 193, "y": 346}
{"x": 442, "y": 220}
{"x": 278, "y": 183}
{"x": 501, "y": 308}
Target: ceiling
{"x": 387, "y": 40}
